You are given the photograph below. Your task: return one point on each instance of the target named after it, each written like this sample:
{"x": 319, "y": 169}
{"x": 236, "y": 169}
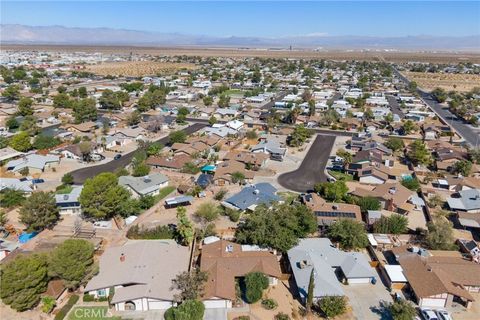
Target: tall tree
{"x": 23, "y": 280}
{"x": 25, "y": 106}
{"x": 185, "y": 227}
{"x": 311, "y": 286}
{"x": 72, "y": 261}
{"x": 190, "y": 285}
{"x": 39, "y": 211}
{"x": 21, "y": 142}
{"x": 349, "y": 233}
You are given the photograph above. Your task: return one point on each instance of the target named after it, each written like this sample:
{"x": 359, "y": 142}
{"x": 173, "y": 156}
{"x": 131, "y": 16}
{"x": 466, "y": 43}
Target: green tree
{"x": 299, "y": 135}
{"x": 332, "y": 191}
{"x": 349, "y": 233}
{"x": 134, "y": 118}
{"x": 394, "y": 224}
{"x": 207, "y": 101}
{"x": 62, "y": 100}
{"x": 10, "y": 198}
{"x": 223, "y": 101}
{"x": 113, "y": 100}
{"x": 439, "y": 94}
{"x": 208, "y": 211}
{"x": 463, "y": 167}
{"x": 12, "y": 92}
{"x": 278, "y": 227}
{"x": 22, "y": 281}
{"x": 25, "y": 106}
{"x": 238, "y": 177}
{"x": 141, "y": 170}
{"x": 402, "y": 310}
{"x": 85, "y": 110}
{"x": 332, "y": 306}
{"x": 411, "y": 184}
{"x": 102, "y": 197}
{"x": 409, "y": 126}
{"x": 389, "y": 118}
{"x": 394, "y": 143}
{"x": 188, "y": 310}
{"x": 67, "y": 178}
{"x": 419, "y": 153}
{"x": 12, "y": 123}
{"x": 21, "y": 142}
{"x": 177, "y": 137}
{"x": 42, "y": 142}
{"x": 72, "y": 261}
{"x": 39, "y": 211}
{"x": 3, "y": 142}
{"x": 48, "y": 303}
{"x": 440, "y": 234}
{"x": 154, "y": 149}
{"x": 255, "y": 283}
{"x": 185, "y": 227}
{"x": 82, "y": 92}
{"x": 368, "y": 203}
{"x": 310, "y": 294}
{"x": 29, "y": 124}
{"x": 346, "y": 156}
{"x": 412, "y": 86}
{"x": 189, "y": 285}
{"x": 212, "y": 120}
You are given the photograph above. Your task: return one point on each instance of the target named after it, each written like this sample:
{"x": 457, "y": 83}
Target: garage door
{"x": 159, "y": 305}
{"x": 359, "y": 280}
{"x": 433, "y": 303}
{"x": 214, "y": 304}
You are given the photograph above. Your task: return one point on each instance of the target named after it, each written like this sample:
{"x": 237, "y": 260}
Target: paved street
{"x": 312, "y": 169}
{"x": 395, "y": 106}
{"x": 470, "y": 136}
{"x": 80, "y": 175}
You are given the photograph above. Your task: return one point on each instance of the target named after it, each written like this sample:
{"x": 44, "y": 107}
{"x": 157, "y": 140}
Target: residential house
{"x": 328, "y": 264}
{"x": 225, "y": 170}
{"x": 329, "y": 213}
{"x": 465, "y": 201}
{"x": 225, "y": 262}
{"x": 25, "y": 186}
{"x": 250, "y": 159}
{"x": 34, "y": 162}
{"x": 141, "y": 274}
{"x": 252, "y": 196}
{"x": 149, "y": 185}
{"x": 174, "y": 163}
{"x": 69, "y": 203}
{"x": 271, "y": 147}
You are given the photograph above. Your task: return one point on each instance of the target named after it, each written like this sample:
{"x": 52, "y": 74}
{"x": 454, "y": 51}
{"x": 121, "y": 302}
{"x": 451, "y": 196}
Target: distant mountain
{"x": 22, "y": 34}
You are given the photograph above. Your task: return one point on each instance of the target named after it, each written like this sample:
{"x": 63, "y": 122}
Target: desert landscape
{"x": 447, "y": 81}
{"x": 390, "y": 56}
{"x": 138, "y": 68}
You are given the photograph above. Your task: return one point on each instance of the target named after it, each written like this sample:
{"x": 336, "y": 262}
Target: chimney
{"x": 122, "y": 257}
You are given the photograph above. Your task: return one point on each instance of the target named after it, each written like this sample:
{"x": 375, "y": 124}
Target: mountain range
{"x": 23, "y": 34}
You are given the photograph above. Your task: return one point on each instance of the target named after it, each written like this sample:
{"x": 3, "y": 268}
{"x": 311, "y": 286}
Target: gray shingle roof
{"x": 261, "y": 193}
{"x": 468, "y": 200}
{"x": 143, "y": 185}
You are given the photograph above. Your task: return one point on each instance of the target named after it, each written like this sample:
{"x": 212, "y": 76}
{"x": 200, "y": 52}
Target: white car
{"x": 428, "y": 314}
{"x": 444, "y": 315}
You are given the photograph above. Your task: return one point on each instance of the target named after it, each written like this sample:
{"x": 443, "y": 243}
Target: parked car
{"x": 443, "y": 315}
{"x": 428, "y": 314}
{"x": 37, "y": 181}
{"x": 117, "y": 156}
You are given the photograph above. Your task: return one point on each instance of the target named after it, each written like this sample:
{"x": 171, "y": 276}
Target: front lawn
{"x": 340, "y": 175}
{"x": 91, "y": 313}
{"x": 164, "y": 192}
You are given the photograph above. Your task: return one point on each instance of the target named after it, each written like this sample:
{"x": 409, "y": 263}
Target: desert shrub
{"x": 269, "y": 304}
{"x": 88, "y": 298}
{"x": 255, "y": 283}
{"x": 220, "y": 195}
{"x": 281, "y": 316}
{"x": 159, "y": 232}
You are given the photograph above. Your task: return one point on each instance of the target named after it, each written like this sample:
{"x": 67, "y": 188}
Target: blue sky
{"x": 262, "y": 18}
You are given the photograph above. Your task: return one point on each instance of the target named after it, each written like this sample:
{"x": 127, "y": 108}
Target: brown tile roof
{"x": 387, "y": 191}
{"x": 427, "y": 281}
{"x": 254, "y": 158}
{"x": 318, "y": 204}
{"x": 224, "y": 266}
{"x": 175, "y": 162}
{"x": 209, "y": 140}
{"x": 226, "y": 168}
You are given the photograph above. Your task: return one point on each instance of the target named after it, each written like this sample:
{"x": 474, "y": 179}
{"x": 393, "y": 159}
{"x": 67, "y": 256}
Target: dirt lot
{"x": 138, "y": 68}
{"x": 435, "y": 57}
{"x": 447, "y": 81}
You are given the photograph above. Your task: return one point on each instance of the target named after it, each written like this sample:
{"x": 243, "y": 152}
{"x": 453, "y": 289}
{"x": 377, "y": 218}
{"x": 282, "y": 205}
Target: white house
{"x": 149, "y": 185}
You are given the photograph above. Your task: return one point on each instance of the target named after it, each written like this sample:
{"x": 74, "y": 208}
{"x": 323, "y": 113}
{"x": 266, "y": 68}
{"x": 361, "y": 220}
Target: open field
{"x": 138, "y": 68}
{"x": 447, "y": 81}
{"x": 434, "y": 57}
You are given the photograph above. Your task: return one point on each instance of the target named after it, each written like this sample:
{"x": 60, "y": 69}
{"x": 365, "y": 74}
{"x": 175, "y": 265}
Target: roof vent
{"x": 392, "y": 190}
{"x": 229, "y": 248}
{"x": 122, "y": 257}
{"x": 147, "y": 179}
{"x": 65, "y": 197}
{"x": 335, "y": 207}
{"x": 256, "y": 191}
{"x": 303, "y": 264}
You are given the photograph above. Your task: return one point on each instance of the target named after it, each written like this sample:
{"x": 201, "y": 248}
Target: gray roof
{"x": 260, "y": 193}
{"x": 148, "y": 269}
{"x": 320, "y": 255}
{"x": 32, "y": 161}
{"x": 15, "y": 184}
{"x": 270, "y": 147}
{"x": 178, "y": 200}
{"x": 143, "y": 185}
{"x": 69, "y": 197}
{"x": 468, "y": 200}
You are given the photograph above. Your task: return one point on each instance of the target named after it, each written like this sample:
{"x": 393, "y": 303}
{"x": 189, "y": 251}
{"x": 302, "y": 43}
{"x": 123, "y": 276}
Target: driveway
{"x": 79, "y": 176}
{"x": 365, "y": 300}
{"x": 312, "y": 169}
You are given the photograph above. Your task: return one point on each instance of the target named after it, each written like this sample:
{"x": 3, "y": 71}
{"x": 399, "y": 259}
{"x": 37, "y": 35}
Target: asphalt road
{"x": 312, "y": 169}
{"x": 80, "y": 175}
{"x": 470, "y": 136}
{"x": 269, "y": 105}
